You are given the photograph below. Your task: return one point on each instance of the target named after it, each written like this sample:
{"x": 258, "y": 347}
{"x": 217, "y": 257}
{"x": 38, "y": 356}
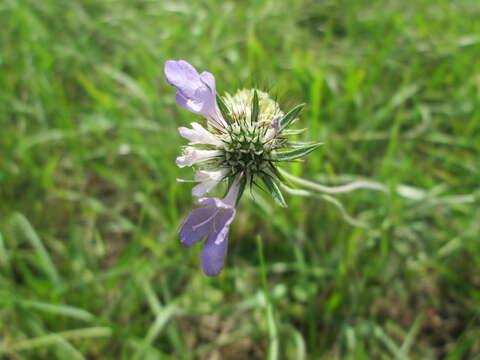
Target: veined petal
{"x": 199, "y": 135}
{"x": 195, "y": 92}
{"x": 214, "y": 251}
{"x": 208, "y": 179}
{"x": 193, "y": 156}
{"x": 212, "y": 220}
{"x": 196, "y": 226}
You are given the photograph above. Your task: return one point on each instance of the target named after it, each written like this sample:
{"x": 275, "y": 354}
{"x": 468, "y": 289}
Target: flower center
{"x": 248, "y": 143}
{"x": 246, "y": 151}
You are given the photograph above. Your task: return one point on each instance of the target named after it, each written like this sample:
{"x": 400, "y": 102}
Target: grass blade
{"x": 50, "y": 339}
{"x": 273, "y": 346}
{"x": 36, "y": 242}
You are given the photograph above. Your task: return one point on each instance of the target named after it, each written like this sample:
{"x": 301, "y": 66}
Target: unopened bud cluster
{"x": 247, "y": 144}
{"x": 246, "y": 151}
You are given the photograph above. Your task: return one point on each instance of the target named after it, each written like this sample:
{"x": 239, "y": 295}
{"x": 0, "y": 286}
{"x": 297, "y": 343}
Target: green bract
{"x": 255, "y": 140}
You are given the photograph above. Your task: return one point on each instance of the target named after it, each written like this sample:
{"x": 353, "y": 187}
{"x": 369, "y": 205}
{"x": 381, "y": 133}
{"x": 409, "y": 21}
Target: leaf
{"x": 293, "y": 132}
{"x": 45, "y": 260}
{"x": 273, "y": 189}
{"x": 53, "y": 338}
{"x": 276, "y": 174}
{"x": 296, "y": 153}
{"x": 243, "y": 182}
{"x": 296, "y": 144}
{"x": 290, "y": 116}
{"x": 255, "y": 108}
{"x": 58, "y": 309}
{"x": 224, "y": 109}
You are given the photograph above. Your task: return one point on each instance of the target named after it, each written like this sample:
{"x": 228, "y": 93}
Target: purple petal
{"x": 183, "y": 76}
{"x": 181, "y": 100}
{"x": 195, "y": 93}
{"x": 209, "y": 79}
{"x": 198, "y": 104}
{"x": 196, "y": 226}
{"x": 213, "y": 252}
{"x": 214, "y": 220}
{"x": 213, "y": 256}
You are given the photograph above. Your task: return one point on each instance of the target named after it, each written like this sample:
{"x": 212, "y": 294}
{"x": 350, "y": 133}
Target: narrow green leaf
{"x": 60, "y": 310}
{"x": 276, "y": 174}
{"x": 45, "y": 261}
{"x": 224, "y": 109}
{"x": 243, "y": 183}
{"x": 255, "y": 108}
{"x": 297, "y": 144}
{"x": 290, "y": 116}
{"x": 273, "y": 189}
{"x": 273, "y": 347}
{"x": 156, "y": 328}
{"x": 296, "y": 153}
{"x": 293, "y": 132}
{"x": 50, "y": 339}
{"x": 4, "y": 262}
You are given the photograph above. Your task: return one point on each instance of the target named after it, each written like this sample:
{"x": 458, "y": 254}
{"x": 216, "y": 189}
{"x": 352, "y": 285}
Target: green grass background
{"x": 90, "y": 262}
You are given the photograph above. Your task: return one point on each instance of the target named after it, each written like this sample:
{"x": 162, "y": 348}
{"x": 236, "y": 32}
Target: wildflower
{"x": 243, "y": 141}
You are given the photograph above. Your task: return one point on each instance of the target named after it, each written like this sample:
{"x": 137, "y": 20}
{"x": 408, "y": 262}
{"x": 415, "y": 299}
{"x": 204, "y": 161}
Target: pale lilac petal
{"x": 202, "y": 102}
{"x": 274, "y": 127}
{"x": 209, "y": 79}
{"x": 195, "y": 92}
{"x": 212, "y": 257}
{"x": 183, "y": 76}
{"x": 276, "y": 122}
{"x": 182, "y": 101}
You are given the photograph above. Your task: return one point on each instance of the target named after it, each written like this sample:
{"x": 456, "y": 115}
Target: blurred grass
{"x": 90, "y": 264}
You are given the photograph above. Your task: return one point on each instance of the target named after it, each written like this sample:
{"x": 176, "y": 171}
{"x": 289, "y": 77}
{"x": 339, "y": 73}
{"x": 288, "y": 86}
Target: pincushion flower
{"x": 242, "y": 143}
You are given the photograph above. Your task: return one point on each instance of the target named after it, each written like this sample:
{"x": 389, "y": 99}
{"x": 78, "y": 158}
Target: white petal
{"x": 209, "y": 179}
{"x": 199, "y": 135}
{"x": 203, "y": 175}
{"x": 193, "y": 156}
{"x": 203, "y": 188}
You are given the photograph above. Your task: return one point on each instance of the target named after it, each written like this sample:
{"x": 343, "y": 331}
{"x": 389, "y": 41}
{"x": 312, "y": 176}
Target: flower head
{"x": 245, "y": 139}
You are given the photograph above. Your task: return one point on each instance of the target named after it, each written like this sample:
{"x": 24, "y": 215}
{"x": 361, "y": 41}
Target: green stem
{"x": 361, "y": 184}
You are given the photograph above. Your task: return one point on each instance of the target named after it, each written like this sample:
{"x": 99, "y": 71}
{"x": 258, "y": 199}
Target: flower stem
{"x": 334, "y": 189}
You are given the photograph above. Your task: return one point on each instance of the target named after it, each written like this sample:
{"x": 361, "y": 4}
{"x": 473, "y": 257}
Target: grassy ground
{"x": 90, "y": 263}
